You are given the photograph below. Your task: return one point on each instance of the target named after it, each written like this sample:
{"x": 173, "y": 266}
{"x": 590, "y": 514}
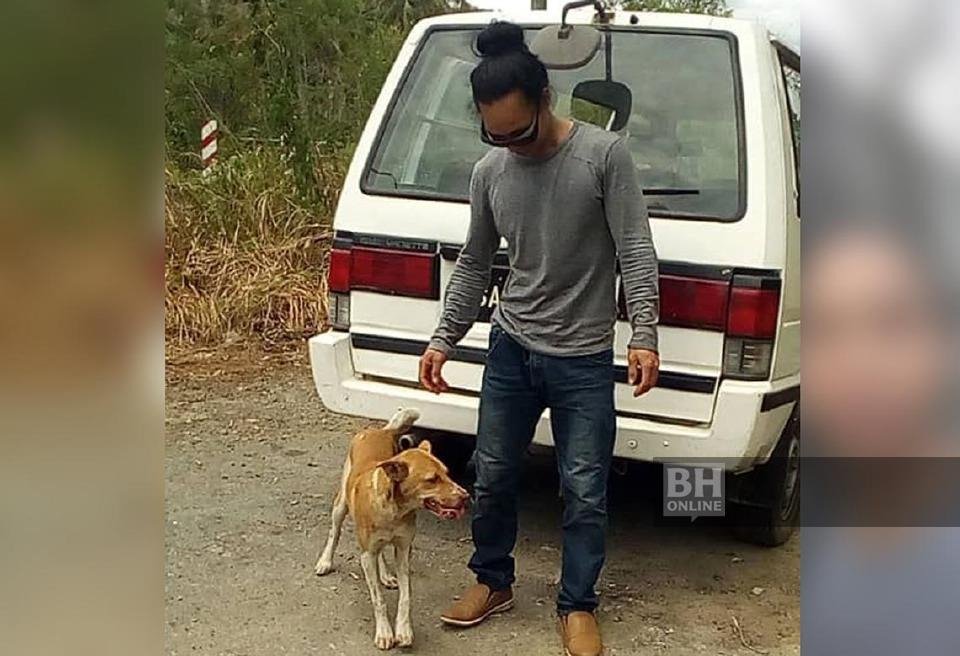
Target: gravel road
{"x": 252, "y": 460}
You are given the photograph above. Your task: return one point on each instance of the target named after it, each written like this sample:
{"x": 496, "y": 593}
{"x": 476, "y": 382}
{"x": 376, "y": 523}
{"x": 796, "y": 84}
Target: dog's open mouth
{"x": 445, "y": 512}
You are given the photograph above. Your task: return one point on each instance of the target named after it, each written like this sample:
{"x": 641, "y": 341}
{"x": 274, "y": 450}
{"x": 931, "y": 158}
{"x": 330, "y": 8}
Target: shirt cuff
{"x": 440, "y": 345}
{"x": 644, "y": 337}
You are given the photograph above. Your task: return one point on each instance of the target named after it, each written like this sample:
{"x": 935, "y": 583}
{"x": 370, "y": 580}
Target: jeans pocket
{"x": 496, "y": 336}
{"x": 603, "y": 357}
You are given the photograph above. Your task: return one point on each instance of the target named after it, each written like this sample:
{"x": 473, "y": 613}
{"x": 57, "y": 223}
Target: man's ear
{"x": 546, "y": 97}
{"x": 395, "y": 469}
{"x": 426, "y": 446}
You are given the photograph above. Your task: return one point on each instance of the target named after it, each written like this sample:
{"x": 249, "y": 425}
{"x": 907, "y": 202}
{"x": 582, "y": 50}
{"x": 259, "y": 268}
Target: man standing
{"x": 565, "y": 197}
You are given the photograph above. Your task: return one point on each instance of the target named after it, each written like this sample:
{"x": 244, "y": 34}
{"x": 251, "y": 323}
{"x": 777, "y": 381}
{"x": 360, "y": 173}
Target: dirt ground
{"x": 252, "y": 461}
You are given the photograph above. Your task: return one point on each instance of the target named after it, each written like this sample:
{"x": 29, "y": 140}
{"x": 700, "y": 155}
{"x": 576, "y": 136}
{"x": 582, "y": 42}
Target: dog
{"x": 382, "y": 487}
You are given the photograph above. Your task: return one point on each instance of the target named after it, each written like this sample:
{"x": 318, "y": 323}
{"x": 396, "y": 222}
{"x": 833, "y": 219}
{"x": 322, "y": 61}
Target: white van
{"x": 714, "y": 131}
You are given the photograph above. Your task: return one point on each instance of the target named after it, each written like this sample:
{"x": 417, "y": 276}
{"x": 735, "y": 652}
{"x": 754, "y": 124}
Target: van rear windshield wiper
{"x": 667, "y": 191}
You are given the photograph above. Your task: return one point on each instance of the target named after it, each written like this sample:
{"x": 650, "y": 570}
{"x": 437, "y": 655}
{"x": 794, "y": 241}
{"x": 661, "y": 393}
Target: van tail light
{"x": 338, "y": 309}
{"x": 693, "y": 302}
{"x": 338, "y": 276}
{"x": 747, "y": 359}
{"x": 394, "y": 272}
{"x": 753, "y": 312}
{"x": 338, "y": 288}
{"x": 752, "y": 320}
{"x": 375, "y": 269}
{"x": 746, "y": 308}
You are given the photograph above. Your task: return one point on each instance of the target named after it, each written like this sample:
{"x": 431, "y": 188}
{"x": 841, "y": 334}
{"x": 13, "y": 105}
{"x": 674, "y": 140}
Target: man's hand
{"x": 431, "y": 364}
{"x": 643, "y": 367}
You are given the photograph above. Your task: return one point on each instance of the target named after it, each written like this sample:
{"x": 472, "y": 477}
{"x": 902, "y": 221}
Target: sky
{"x": 782, "y": 17}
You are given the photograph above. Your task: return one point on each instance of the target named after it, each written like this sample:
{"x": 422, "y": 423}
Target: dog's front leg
{"x": 384, "y": 636}
{"x": 404, "y": 628}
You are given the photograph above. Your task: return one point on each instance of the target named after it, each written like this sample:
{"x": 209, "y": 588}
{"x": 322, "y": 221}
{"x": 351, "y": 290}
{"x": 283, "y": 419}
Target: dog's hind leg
{"x": 403, "y": 626}
{"x": 337, "y": 515}
{"x": 384, "y": 637}
{"x": 388, "y": 576}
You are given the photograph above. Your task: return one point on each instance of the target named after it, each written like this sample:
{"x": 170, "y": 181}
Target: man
{"x": 565, "y": 197}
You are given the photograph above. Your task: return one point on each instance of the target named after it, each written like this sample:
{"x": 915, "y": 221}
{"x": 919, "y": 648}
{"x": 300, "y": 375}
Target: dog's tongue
{"x": 445, "y": 512}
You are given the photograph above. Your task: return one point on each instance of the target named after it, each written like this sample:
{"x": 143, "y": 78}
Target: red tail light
{"x": 743, "y": 309}
{"x": 338, "y": 276}
{"x": 746, "y": 308}
{"x": 751, "y": 326}
{"x": 383, "y": 270}
{"x": 693, "y": 302}
{"x": 753, "y": 312}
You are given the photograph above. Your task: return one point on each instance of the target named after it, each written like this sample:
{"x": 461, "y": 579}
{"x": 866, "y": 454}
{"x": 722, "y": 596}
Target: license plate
{"x": 498, "y": 276}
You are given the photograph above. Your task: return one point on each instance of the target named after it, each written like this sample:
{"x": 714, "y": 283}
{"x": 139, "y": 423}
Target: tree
{"x": 300, "y": 75}
{"x": 709, "y": 7}
{"x": 408, "y": 12}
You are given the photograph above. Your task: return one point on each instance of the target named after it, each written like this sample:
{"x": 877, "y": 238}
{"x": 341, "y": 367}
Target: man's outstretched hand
{"x": 643, "y": 368}
{"x": 431, "y": 366}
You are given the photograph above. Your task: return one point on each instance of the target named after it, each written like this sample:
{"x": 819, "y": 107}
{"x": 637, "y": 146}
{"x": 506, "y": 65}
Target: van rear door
{"x": 398, "y": 240}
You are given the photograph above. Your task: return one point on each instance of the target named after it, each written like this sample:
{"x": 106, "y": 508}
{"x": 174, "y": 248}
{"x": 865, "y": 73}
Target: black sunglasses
{"x": 522, "y": 137}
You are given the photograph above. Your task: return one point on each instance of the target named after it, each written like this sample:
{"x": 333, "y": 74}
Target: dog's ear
{"x": 425, "y": 446}
{"x": 395, "y": 469}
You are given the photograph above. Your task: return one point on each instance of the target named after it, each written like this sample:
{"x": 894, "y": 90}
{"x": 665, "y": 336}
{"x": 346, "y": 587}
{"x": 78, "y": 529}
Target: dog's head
{"x": 422, "y": 479}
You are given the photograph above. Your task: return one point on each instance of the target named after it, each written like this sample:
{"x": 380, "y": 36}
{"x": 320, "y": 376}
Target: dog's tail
{"x": 402, "y": 420}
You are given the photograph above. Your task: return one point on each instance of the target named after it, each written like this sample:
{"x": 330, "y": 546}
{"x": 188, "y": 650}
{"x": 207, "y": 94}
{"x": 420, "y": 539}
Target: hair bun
{"x": 500, "y": 38}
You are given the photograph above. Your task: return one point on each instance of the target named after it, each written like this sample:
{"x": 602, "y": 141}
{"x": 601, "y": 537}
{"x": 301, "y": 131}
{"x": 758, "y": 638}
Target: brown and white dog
{"x": 382, "y": 487}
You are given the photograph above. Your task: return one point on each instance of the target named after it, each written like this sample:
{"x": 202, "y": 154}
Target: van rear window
{"x": 684, "y": 131}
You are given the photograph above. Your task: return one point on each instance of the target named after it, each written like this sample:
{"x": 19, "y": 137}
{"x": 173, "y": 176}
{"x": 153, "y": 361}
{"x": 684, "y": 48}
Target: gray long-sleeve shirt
{"x": 566, "y": 220}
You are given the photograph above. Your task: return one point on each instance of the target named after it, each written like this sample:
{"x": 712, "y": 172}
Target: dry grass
{"x": 246, "y": 257}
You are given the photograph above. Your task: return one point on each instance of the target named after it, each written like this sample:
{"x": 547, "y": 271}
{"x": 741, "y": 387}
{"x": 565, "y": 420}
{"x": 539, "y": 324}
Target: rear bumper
{"x": 748, "y": 418}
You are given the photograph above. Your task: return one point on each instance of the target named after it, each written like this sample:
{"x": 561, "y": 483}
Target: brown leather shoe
{"x": 581, "y": 634}
{"x": 477, "y": 604}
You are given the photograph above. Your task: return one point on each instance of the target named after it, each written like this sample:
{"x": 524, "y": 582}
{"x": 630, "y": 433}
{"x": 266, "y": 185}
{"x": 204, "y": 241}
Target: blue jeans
{"x": 517, "y": 385}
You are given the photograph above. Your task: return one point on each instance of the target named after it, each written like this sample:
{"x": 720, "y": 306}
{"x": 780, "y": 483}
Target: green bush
{"x": 300, "y": 75}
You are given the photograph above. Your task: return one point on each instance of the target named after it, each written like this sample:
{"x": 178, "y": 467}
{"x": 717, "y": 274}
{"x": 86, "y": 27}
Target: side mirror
{"x": 604, "y": 97}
